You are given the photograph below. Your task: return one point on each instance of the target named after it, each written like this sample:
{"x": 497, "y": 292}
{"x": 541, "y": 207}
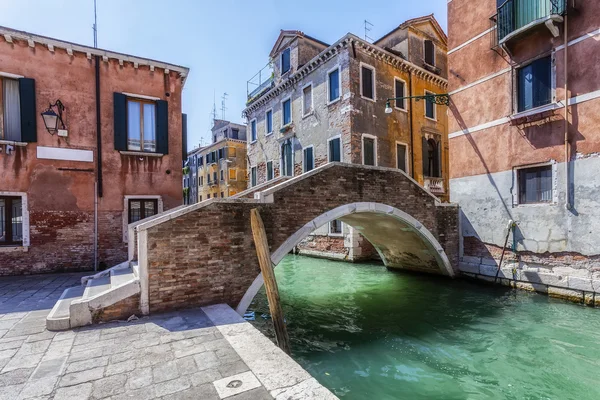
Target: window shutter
{"x": 429, "y": 52}
{"x": 120, "y": 118}
{"x": 437, "y": 165}
{"x": 184, "y": 136}
{"x": 162, "y": 126}
{"x": 425, "y": 151}
{"x": 28, "y": 110}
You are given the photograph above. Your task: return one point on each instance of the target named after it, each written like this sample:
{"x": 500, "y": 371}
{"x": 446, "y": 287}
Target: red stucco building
{"x": 113, "y": 156}
{"x": 524, "y": 140}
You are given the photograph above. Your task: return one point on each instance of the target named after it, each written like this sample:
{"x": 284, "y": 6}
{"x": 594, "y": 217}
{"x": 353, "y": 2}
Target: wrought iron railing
{"x": 515, "y": 14}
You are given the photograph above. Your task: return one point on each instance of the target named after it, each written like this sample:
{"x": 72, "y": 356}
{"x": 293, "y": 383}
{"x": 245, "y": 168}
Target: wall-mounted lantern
{"x": 441, "y": 99}
{"x": 51, "y": 118}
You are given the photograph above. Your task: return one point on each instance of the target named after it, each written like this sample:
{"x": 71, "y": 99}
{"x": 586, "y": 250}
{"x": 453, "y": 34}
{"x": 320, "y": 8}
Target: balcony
{"x": 516, "y": 17}
{"x": 259, "y": 83}
{"x": 434, "y": 185}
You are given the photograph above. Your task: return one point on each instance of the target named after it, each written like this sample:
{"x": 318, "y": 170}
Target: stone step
{"x": 59, "y": 317}
{"x": 96, "y": 286}
{"x": 120, "y": 276}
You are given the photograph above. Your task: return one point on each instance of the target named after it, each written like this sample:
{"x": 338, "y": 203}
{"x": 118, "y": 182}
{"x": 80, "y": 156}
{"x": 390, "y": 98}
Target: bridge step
{"x": 76, "y": 305}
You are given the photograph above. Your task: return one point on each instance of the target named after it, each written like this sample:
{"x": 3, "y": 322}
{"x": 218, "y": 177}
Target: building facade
{"x": 327, "y": 103}
{"x": 219, "y": 169}
{"x": 90, "y": 140}
{"x": 524, "y": 144}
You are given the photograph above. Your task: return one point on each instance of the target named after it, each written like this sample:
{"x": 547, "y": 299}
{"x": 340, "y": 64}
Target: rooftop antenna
{"x": 95, "y": 27}
{"x": 214, "y": 110}
{"x": 368, "y": 28}
{"x": 223, "y": 108}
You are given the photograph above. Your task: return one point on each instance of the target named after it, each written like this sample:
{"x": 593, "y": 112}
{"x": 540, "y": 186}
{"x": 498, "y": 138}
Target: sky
{"x": 223, "y": 42}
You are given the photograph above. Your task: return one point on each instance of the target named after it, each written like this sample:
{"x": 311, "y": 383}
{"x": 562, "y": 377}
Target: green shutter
{"x": 120, "y": 118}
{"x": 162, "y": 127}
{"x": 425, "y": 152}
{"x": 28, "y": 110}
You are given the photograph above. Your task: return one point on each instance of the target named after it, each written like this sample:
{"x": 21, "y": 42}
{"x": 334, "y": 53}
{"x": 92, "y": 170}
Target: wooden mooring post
{"x": 266, "y": 267}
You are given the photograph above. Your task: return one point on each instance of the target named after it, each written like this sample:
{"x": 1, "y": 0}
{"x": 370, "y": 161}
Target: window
{"x": 429, "y": 52}
{"x": 269, "y": 122}
{"x": 201, "y": 180}
{"x": 309, "y": 159}
{"x": 400, "y": 91}
{"x": 253, "y": 131}
{"x": 335, "y": 150}
{"x": 307, "y": 100}
{"x": 369, "y": 150}
{"x": 208, "y": 196}
{"x": 535, "y": 184}
{"x": 141, "y": 125}
{"x": 200, "y": 198}
{"x": 200, "y": 161}
{"x": 269, "y": 170}
{"x": 335, "y": 227}
{"x": 235, "y": 133}
{"x": 18, "y": 114}
{"x": 401, "y": 150}
{"x": 333, "y": 85}
{"x": 232, "y": 151}
{"x": 367, "y": 82}
{"x": 221, "y": 153}
{"x": 429, "y": 107}
{"x": 534, "y": 86}
{"x": 222, "y": 175}
{"x": 286, "y": 110}
{"x": 287, "y": 159}
{"x": 222, "y": 194}
{"x": 431, "y": 158}
{"x": 285, "y": 61}
{"x": 253, "y": 176}
{"x": 11, "y": 221}
{"x": 142, "y": 208}
{"x": 233, "y": 174}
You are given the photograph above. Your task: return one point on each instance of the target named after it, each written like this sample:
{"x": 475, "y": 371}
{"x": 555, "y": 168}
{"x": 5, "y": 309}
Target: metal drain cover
{"x": 234, "y": 384}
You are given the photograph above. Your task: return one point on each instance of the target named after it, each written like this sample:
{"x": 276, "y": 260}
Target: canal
{"x": 367, "y": 333}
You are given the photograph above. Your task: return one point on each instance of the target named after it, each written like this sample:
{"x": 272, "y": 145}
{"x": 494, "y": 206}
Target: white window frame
{"x": 341, "y": 147}
{"x": 516, "y": 188}
{"x": 267, "y": 170}
{"x": 312, "y": 101}
{"x": 256, "y": 127}
{"x": 281, "y": 61}
{"x": 303, "y": 157}
{"x": 126, "y": 199}
{"x": 427, "y": 92}
{"x": 335, "y": 234}
{"x": 434, "y": 48}
{"x": 267, "y": 133}
{"x": 291, "y": 111}
{"x": 329, "y": 101}
{"x": 362, "y": 145}
{"x": 372, "y": 68}
{"x": 25, "y": 216}
{"x": 405, "y": 109}
{"x": 407, "y": 164}
{"x": 515, "y": 86}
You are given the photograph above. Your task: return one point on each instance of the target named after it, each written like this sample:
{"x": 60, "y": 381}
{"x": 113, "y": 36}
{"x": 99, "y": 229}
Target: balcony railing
{"x": 260, "y": 82}
{"x": 518, "y": 15}
{"x": 434, "y": 185}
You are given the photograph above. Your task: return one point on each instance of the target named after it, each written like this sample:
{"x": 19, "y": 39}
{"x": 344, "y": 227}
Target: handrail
{"x": 516, "y": 14}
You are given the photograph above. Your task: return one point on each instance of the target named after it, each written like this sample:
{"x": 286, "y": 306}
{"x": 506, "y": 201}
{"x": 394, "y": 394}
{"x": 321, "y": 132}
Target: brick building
{"x": 519, "y": 150}
{"x": 219, "y": 169}
{"x": 111, "y": 154}
{"x": 325, "y": 103}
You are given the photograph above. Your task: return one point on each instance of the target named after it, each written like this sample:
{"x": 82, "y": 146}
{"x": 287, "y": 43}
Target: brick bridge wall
{"x": 204, "y": 254}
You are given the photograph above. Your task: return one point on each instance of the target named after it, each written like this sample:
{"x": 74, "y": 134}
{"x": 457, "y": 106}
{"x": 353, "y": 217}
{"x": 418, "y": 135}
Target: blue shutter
{"x": 162, "y": 127}
{"x": 120, "y": 121}
{"x": 28, "y": 110}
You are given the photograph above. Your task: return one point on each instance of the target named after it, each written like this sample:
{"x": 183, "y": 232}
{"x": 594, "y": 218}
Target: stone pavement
{"x": 180, "y": 355}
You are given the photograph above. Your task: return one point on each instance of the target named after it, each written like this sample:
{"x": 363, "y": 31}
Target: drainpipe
{"x": 98, "y": 188}
{"x": 410, "y": 126}
{"x": 567, "y": 158}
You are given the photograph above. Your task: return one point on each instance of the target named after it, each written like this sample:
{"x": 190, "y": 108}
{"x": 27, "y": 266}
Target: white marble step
{"x": 59, "y": 317}
{"x": 120, "y": 276}
{"x": 96, "y": 286}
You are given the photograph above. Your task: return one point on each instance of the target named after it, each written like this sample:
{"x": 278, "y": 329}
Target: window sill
{"x": 334, "y": 101}
{"x": 253, "y": 141}
{"x": 541, "y": 204}
{"x": 335, "y": 234}
{"x": 14, "y": 249}
{"x": 269, "y": 133}
{"x": 308, "y": 114}
{"x": 404, "y": 110}
{"x": 535, "y": 111}
{"x": 368, "y": 99}
{"x": 431, "y": 119}
{"x": 13, "y": 143}
{"x": 140, "y": 154}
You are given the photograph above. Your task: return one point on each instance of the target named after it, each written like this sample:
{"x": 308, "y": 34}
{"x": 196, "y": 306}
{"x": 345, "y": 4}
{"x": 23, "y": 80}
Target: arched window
{"x": 432, "y": 158}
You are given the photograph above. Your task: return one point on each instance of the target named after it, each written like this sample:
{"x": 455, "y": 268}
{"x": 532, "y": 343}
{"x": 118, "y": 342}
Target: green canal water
{"x": 367, "y": 333}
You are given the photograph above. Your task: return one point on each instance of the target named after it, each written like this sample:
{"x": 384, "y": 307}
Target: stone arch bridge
{"x": 204, "y": 253}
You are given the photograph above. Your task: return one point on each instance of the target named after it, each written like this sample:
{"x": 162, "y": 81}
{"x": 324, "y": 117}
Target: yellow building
{"x": 221, "y": 169}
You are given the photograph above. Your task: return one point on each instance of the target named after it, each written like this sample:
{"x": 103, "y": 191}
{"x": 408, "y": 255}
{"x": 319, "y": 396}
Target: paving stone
{"x": 204, "y": 392}
{"x": 254, "y": 394}
{"x": 164, "y": 372}
{"x": 40, "y": 336}
{"x": 84, "y": 355}
{"x": 34, "y": 347}
{"x": 110, "y": 386}
{"x": 234, "y": 368}
{"x": 14, "y": 344}
{"x": 81, "y": 377}
{"x": 120, "y": 368}
{"x": 8, "y": 353}
{"x": 247, "y": 379}
{"x": 86, "y": 364}
{"x": 206, "y": 360}
{"x": 15, "y": 377}
{"x": 172, "y": 386}
{"x": 50, "y": 368}
{"x": 123, "y": 356}
{"x": 186, "y": 365}
{"x": 206, "y": 376}
{"x": 139, "y": 378}
{"x": 145, "y": 393}
{"x": 39, "y": 387}
{"x": 10, "y": 392}
{"x": 77, "y": 392}
{"x": 18, "y": 362}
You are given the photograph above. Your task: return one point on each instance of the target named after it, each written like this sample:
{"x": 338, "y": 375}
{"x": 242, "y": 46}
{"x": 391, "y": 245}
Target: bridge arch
{"x": 400, "y": 239}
